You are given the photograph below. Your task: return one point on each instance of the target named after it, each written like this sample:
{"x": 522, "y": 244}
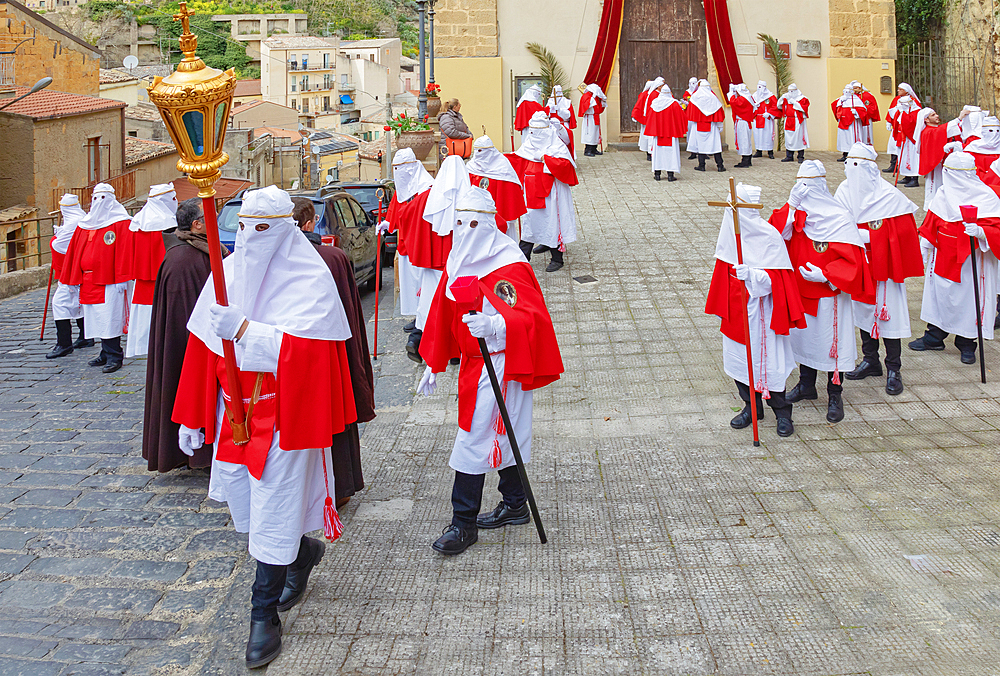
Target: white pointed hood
{"x": 72, "y": 213}
{"x": 827, "y": 220}
{"x": 452, "y": 178}
{"x": 867, "y": 195}
{"x": 480, "y": 250}
{"x": 490, "y": 163}
{"x": 104, "y": 209}
{"x": 705, "y": 100}
{"x": 540, "y": 139}
{"x": 409, "y": 174}
{"x": 762, "y": 244}
{"x": 961, "y": 185}
{"x": 160, "y": 211}
{"x": 762, "y": 94}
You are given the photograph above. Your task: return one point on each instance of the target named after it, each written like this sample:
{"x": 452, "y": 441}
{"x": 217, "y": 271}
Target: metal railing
{"x": 124, "y": 185}
{"x": 24, "y": 243}
{"x": 948, "y": 82}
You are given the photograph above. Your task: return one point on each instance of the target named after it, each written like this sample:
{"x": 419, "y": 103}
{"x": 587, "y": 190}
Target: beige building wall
{"x": 17, "y": 169}
{"x": 126, "y": 92}
{"x": 265, "y": 114}
{"x": 154, "y": 172}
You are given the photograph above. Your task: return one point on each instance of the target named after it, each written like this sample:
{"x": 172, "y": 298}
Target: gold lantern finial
{"x": 188, "y": 40}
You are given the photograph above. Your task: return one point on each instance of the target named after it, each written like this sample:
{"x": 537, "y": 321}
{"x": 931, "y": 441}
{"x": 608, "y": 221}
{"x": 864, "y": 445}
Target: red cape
{"x": 725, "y": 300}
{"x": 524, "y": 113}
{"x": 106, "y": 255}
{"x": 532, "y": 354}
{"x": 793, "y": 118}
{"x": 538, "y": 184}
{"x": 742, "y": 109}
{"x": 767, "y": 106}
{"x": 509, "y": 198}
{"x": 569, "y": 124}
{"x": 704, "y": 122}
{"x": 584, "y": 105}
{"x": 145, "y": 257}
{"x": 953, "y": 245}
{"x": 313, "y": 399}
{"x": 667, "y": 124}
{"x": 639, "y": 109}
{"x": 845, "y": 115}
{"x": 983, "y": 162}
{"x": 424, "y": 247}
{"x": 871, "y": 103}
{"x": 932, "y": 142}
{"x": 894, "y": 250}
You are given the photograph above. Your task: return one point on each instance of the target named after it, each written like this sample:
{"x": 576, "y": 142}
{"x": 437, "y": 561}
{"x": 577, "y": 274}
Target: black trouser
{"x": 64, "y": 333}
{"x": 111, "y": 349}
{"x": 777, "y": 402}
{"x": 467, "y": 495}
{"x": 79, "y": 323}
{"x": 893, "y": 349}
{"x": 807, "y": 378}
{"x": 938, "y": 335}
{"x": 702, "y": 157}
{"x": 526, "y": 248}
{"x": 271, "y": 580}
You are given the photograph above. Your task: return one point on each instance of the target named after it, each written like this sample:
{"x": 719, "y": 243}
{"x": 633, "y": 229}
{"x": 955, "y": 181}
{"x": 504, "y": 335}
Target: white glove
{"x": 953, "y": 147}
{"x": 866, "y": 235}
{"x": 428, "y": 383}
{"x": 383, "y": 227}
{"x": 742, "y": 272}
{"x": 480, "y": 326}
{"x": 888, "y": 125}
{"x": 855, "y": 113}
{"x": 189, "y": 439}
{"x": 799, "y": 191}
{"x": 225, "y": 321}
{"x": 812, "y": 273}
{"x": 973, "y": 230}
{"x": 925, "y": 249}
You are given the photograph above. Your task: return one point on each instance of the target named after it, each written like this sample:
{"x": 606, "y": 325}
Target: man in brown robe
{"x": 182, "y": 275}
{"x": 346, "y": 449}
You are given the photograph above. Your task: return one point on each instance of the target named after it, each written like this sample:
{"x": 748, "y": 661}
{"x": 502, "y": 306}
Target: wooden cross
{"x": 183, "y": 16}
{"x": 735, "y": 204}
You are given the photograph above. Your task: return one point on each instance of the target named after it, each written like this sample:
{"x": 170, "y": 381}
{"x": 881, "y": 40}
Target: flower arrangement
{"x": 433, "y": 90}
{"x": 404, "y": 122}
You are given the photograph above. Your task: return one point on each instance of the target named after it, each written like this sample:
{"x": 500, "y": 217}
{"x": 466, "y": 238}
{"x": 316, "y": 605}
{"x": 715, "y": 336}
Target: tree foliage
{"x": 918, "y": 20}
{"x": 552, "y": 71}
{"x": 782, "y": 73}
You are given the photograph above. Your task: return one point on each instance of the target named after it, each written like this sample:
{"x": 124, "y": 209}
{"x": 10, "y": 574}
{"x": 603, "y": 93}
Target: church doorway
{"x": 660, "y": 37}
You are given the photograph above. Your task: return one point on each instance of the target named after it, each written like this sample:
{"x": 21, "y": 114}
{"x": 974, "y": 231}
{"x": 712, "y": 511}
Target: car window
{"x": 229, "y": 219}
{"x": 344, "y": 214}
{"x": 359, "y": 215}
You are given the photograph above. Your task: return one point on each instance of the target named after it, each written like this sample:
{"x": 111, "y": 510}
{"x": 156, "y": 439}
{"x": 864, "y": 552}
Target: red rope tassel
{"x": 496, "y": 455}
{"x": 761, "y": 384}
{"x": 332, "y": 527}
{"x": 834, "y": 349}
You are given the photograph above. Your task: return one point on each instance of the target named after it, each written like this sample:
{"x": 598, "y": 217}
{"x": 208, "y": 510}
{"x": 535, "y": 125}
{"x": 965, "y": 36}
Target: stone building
{"x": 481, "y": 55}
{"x": 32, "y": 47}
{"x": 971, "y": 44}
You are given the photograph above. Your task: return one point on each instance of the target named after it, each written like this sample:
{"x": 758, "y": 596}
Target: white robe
{"x": 66, "y": 302}
{"x": 472, "y": 449}
{"x": 692, "y": 139}
{"x": 428, "y": 286}
{"x": 409, "y": 285}
{"x": 556, "y": 223}
{"x": 772, "y": 355}
{"x": 798, "y": 139}
{"x": 667, "y": 158}
{"x": 138, "y": 330}
{"x": 812, "y": 345}
{"x": 110, "y": 318}
{"x": 950, "y": 306}
{"x": 288, "y": 500}
{"x": 590, "y": 132}
{"x": 707, "y": 142}
{"x": 909, "y": 160}
{"x": 848, "y": 137}
{"x": 744, "y": 139}
{"x": 763, "y": 137}
{"x": 645, "y": 142}
{"x": 891, "y": 296}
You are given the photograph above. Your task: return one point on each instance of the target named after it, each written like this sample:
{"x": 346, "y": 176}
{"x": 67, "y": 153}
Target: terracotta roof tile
{"x": 139, "y": 150}
{"x": 113, "y": 75}
{"x": 143, "y": 111}
{"x": 247, "y": 88}
{"x": 45, "y": 104}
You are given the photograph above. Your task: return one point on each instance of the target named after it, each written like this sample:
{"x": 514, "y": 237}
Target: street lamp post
{"x": 422, "y": 97}
{"x": 432, "y": 42}
{"x": 194, "y": 102}
{"x": 41, "y": 84}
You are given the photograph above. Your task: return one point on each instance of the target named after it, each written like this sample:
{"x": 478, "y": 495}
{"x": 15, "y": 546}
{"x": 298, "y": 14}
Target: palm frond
{"x": 782, "y": 73}
{"x": 552, "y": 71}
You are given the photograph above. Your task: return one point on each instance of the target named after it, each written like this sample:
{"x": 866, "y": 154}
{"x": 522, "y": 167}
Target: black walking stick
{"x": 470, "y": 285}
{"x": 970, "y": 214}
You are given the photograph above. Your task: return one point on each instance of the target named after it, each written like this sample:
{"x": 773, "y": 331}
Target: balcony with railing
{"x": 298, "y": 67}
{"x": 124, "y": 185}
{"x": 25, "y": 243}
{"x": 345, "y": 86}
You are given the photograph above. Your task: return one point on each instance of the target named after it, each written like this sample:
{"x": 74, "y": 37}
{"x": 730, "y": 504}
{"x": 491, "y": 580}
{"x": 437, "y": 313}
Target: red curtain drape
{"x": 720, "y": 37}
{"x": 606, "y": 49}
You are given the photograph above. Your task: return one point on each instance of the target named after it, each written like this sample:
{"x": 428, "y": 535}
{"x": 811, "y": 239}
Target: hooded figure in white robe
{"x": 590, "y": 119}
{"x": 66, "y": 298}
{"x": 947, "y": 239}
{"x": 764, "y": 102}
{"x": 794, "y": 109}
{"x": 158, "y": 214}
{"x": 504, "y": 185}
{"x": 411, "y": 179}
{"x": 646, "y": 142}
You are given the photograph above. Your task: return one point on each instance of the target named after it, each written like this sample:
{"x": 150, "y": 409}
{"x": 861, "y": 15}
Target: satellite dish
{"x": 130, "y": 62}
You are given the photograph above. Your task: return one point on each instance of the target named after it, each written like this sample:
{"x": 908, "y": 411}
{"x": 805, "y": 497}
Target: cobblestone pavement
{"x": 676, "y": 547}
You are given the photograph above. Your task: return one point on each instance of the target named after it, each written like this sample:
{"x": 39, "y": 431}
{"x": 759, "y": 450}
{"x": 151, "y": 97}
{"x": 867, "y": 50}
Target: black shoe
{"x": 789, "y": 156}
{"x": 744, "y": 419}
{"x": 893, "y": 383}
{"x": 693, "y": 156}
{"x": 785, "y": 427}
{"x": 553, "y": 266}
{"x": 82, "y": 342}
{"x": 921, "y": 344}
{"x": 540, "y": 249}
{"x": 656, "y": 175}
{"x": 588, "y": 152}
{"x": 111, "y": 366}
{"x": 864, "y": 369}
{"x": 969, "y": 357}
{"x": 264, "y": 644}
{"x": 912, "y": 182}
{"x": 835, "y": 408}
{"x": 759, "y": 153}
{"x": 799, "y": 393}
{"x": 455, "y": 361}
{"x": 649, "y": 157}
{"x": 413, "y": 346}
{"x": 596, "y": 151}
{"x": 99, "y": 360}
{"x": 770, "y": 154}
{"x": 455, "y": 540}
{"x": 297, "y": 579}
{"x": 672, "y": 178}
{"x": 700, "y": 167}
{"x": 411, "y": 326}
{"x": 720, "y": 168}
{"x": 996, "y": 322}
{"x": 504, "y": 516}
{"x": 59, "y": 351}
{"x": 842, "y": 158}
{"x": 891, "y": 168}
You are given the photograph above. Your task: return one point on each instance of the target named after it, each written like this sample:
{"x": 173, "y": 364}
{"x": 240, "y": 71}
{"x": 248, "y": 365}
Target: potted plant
{"x": 433, "y": 92}
{"x": 413, "y": 134}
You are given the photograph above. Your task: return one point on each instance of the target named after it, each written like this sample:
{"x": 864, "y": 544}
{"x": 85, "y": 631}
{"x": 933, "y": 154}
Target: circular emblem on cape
{"x": 109, "y": 237}
{"x": 820, "y": 247}
{"x": 484, "y": 183}
{"x": 505, "y": 291}
{"x": 875, "y": 225}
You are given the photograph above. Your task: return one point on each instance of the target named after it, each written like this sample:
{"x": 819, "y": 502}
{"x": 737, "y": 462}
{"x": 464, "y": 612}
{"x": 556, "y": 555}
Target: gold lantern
{"x": 194, "y": 102}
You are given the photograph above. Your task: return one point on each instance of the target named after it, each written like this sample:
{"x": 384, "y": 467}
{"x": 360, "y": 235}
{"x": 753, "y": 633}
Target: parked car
{"x": 340, "y": 220}
{"x": 365, "y": 193}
